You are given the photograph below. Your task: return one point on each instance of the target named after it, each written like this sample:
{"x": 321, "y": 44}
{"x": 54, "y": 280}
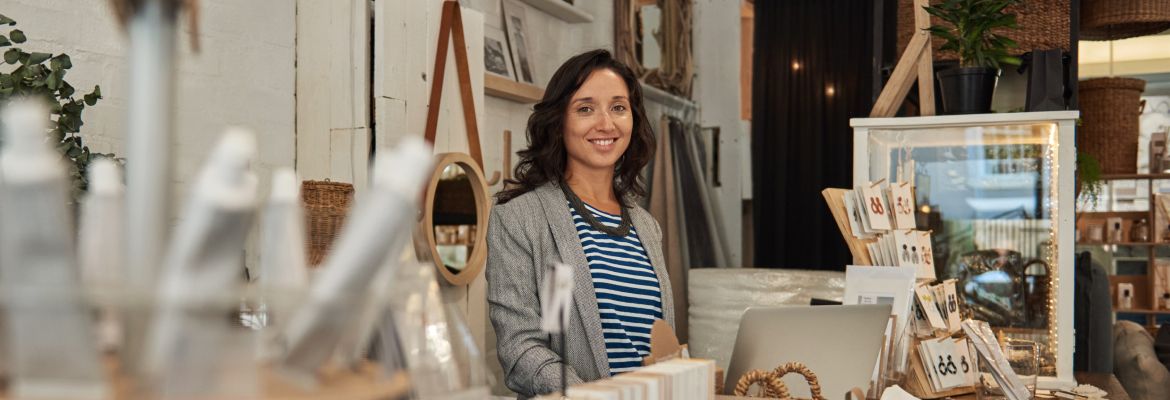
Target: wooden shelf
{"x": 505, "y": 88}
{"x": 560, "y": 9}
{"x": 1107, "y": 214}
{"x": 1135, "y": 244}
{"x": 1141, "y": 311}
{"x": 1121, "y": 177}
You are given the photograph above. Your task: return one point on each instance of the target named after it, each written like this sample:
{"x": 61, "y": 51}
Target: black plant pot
{"x": 967, "y": 90}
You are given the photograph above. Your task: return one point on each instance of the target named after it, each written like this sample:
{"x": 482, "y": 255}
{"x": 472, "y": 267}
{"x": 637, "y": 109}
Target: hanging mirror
{"x": 455, "y": 216}
{"x": 653, "y": 37}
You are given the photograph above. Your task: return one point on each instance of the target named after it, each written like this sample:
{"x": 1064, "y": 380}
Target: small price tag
{"x": 556, "y": 296}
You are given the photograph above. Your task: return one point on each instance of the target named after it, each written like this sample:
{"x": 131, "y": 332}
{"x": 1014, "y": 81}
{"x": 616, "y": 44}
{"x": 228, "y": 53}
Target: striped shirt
{"x": 628, "y": 296}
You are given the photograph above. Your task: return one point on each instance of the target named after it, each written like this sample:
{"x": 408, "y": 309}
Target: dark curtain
{"x": 813, "y": 70}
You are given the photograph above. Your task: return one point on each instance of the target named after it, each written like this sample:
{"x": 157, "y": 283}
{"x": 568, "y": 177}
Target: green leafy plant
{"x": 42, "y": 76}
{"x": 969, "y": 29}
{"x": 1089, "y": 182}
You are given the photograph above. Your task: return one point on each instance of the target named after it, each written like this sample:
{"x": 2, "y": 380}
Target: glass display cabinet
{"x": 992, "y": 189}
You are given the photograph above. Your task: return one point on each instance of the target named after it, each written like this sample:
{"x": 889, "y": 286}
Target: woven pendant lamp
{"x": 1109, "y": 111}
{"x": 1120, "y": 19}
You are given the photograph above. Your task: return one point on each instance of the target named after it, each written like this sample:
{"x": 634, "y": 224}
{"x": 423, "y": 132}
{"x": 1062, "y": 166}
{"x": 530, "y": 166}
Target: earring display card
{"x": 925, "y": 298}
{"x": 922, "y": 327}
{"x": 863, "y": 212}
{"x": 966, "y": 363}
{"x": 902, "y": 200}
{"x": 855, "y": 219}
{"x": 907, "y": 249}
{"x": 876, "y": 208}
{"x": 951, "y": 305}
{"x": 948, "y": 362}
{"x": 926, "y": 267}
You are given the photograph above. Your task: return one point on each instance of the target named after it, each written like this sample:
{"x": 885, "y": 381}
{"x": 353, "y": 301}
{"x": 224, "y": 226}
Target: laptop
{"x": 840, "y": 344}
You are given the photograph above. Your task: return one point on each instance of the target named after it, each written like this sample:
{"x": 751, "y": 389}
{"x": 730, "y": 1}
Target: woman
{"x": 573, "y": 202}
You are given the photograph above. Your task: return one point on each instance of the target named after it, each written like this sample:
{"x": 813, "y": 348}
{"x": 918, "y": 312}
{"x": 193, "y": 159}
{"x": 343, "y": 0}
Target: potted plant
{"x": 968, "y": 30}
{"x": 42, "y": 76}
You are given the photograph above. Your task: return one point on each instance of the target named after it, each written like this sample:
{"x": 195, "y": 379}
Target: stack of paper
{"x": 680, "y": 379}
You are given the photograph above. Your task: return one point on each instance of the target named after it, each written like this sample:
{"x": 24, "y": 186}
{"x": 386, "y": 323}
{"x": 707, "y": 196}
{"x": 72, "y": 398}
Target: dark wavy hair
{"x": 545, "y": 158}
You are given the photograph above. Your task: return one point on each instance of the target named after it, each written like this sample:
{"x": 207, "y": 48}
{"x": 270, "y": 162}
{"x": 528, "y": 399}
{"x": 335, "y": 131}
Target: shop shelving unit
{"x": 1146, "y": 301}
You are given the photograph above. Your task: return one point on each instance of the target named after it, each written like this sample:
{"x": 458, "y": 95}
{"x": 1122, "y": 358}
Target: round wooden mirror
{"x": 455, "y": 217}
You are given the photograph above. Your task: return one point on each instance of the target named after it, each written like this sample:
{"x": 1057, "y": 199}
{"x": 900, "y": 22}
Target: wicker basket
{"x": 1120, "y": 19}
{"x": 1109, "y": 112}
{"x": 326, "y": 205}
{"x": 773, "y": 387}
{"x": 1044, "y": 25}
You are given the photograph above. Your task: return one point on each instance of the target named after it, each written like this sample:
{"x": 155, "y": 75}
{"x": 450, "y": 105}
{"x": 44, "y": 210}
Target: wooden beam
{"x": 901, "y": 80}
{"x": 925, "y": 60}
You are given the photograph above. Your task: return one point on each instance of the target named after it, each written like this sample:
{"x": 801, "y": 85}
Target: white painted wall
{"x": 717, "y": 58}
{"x": 243, "y": 76}
{"x": 333, "y": 90}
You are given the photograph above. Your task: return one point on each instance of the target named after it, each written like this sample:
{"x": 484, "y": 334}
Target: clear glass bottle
{"x": 1140, "y": 232}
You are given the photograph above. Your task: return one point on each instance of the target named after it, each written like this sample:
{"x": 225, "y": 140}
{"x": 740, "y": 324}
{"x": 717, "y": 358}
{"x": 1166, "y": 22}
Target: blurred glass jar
{"x": 1140, "y": 232}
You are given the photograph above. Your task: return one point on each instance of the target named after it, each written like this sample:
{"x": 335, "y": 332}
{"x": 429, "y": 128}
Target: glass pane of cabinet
{"x": 989, "y": 194}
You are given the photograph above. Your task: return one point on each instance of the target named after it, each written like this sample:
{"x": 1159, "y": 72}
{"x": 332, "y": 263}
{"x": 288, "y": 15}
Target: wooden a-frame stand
{"x": 451, "y": 28}
{"x": 916, "y": 58}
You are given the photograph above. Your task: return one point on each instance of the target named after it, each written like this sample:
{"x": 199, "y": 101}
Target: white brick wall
{"x": 243, "y": 76}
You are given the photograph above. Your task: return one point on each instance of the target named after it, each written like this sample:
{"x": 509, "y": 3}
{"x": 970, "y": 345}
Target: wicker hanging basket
{"x": 1109, "y": 115}
{"x": 1043, "y": 25}
{"x": 326, "y": 205}
{"x": 773, "y": 387}
{"x": 1120, "y": 19}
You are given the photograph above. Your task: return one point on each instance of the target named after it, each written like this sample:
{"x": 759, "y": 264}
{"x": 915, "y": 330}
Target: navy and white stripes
{"x": 628, "y": 295}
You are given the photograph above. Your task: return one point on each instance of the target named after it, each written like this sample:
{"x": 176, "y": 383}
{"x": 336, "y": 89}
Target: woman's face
{"x": 598, "y": 122}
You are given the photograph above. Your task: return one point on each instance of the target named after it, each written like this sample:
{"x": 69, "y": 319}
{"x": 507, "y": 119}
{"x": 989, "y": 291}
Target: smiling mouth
{"x": 603, "y": 142}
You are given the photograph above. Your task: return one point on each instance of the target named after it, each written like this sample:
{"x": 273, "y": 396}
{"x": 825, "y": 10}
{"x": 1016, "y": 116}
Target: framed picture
{"x": 516, "y": 23}
{"x": 497, "y": 59}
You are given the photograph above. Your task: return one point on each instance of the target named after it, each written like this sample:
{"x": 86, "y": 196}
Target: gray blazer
{"x": 526, "y": 235}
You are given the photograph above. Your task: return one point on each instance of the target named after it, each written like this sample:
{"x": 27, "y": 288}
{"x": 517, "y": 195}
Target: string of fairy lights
{"x": 1053, "y": 257}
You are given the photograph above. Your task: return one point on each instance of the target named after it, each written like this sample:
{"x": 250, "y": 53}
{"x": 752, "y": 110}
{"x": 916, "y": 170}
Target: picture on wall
{"x": 518, "y": 42}
{"x": 496, "y": 57}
